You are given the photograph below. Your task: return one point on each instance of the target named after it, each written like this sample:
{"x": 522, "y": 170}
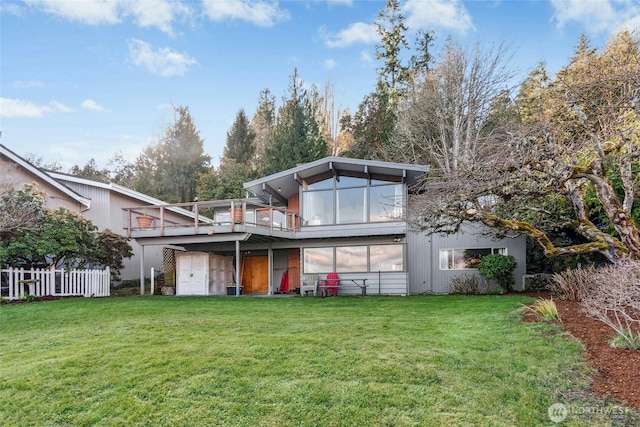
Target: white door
{"x": 192, "y": 274}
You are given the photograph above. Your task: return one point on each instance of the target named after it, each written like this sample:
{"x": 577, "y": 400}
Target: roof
{"x": 285, "y": 184}
{"x": 44, "y": 176}
{"x": 116, "y": 188}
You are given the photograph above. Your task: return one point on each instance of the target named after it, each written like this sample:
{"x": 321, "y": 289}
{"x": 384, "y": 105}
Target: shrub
{"x": 544, "y": 310}
{"x": 573, "y": 285}
{"x": 499, "y": 268}
{"x": 615, "y": 301}
{"x": 469, "y": 284}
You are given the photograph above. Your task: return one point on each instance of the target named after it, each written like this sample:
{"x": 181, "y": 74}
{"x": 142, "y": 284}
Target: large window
{"x": 317, "y": 207}
{"x": 386, "y": 258}
{"x": 318, "y": 260}
{"x": 353, "y": 259}
{"x": 350, "y": 200}
{"x": 464, "y": 259}
{"x": 386, "y": 203}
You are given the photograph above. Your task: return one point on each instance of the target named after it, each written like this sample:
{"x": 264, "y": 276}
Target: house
{"x": 333, "y": 214}
{"x": 99, "y": 202}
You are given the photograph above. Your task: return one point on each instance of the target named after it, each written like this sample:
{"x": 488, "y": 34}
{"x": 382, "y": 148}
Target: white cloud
{"x": 632, "y": 24}
{"x": 90, "y": 104}
{"x": 597, "y": 16}
{"x": 11, "y": 8}
{"x": 365, "y": 57}
{"x": 430, "y": 14}
{"x": 260, "y": 13}
{"x": 358, "y": 32}
{"x": 58, "y": 107}
{"x": 329, "y": 64}
{"x": 147, "y": 13}
{"x": 163, "y": 62}
{"x": 20, "y": 108}
{"x": 27, "y": 84}
{"x": 92, "y": 12}
{"x": 340, "y": 2}
{"x": 157, "y": 13}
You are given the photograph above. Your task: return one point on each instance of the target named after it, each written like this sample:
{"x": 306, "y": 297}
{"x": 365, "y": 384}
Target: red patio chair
{"x": 330, "y": 284}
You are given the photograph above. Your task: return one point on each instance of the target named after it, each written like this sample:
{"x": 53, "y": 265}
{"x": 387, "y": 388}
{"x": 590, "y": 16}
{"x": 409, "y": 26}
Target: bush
{"x": 469, "y": 284}
{"x": 499, "y": 268}
{"x": 615, "y": 301}
{"x": 573, "y": 285}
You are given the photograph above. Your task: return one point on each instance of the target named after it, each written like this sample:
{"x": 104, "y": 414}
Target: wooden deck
{"x": 208, "y": 218}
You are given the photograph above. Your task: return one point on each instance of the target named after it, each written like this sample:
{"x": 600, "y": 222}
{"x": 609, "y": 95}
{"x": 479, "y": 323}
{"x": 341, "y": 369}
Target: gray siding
{"x": 100, "y": 212}
{"x": 424, "y": 257}
{"x": 418, "y": 260}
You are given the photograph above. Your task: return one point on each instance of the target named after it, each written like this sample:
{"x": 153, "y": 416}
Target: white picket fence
{"x": 17, "y": 283}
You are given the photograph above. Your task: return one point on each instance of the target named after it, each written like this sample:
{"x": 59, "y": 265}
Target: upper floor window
{"x": 352, "y": 200}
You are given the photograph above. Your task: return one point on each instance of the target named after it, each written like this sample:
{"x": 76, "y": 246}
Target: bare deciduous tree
{"x": 616, "y": 302}
{"x": 572, "y": 163}
{"x": 445, "y": 116}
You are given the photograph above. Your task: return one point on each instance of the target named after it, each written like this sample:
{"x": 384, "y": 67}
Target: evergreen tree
{"x": 224, "y": 183}
{"x": 170, "y": 169}
{"x": 240, "y": 141}
{"x": 262, "y": 125}
{"x": 296, "y": 137}
{"x": 372, "y": 126}
{"x": 391, "y": 28}
{"x": 91, "y": 171}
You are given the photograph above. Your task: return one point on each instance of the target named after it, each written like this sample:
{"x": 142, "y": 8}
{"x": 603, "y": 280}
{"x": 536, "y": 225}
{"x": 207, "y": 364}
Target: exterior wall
{"x": 378, "y": 283}
{"x": 427, "y": 277}
{"x": 13, "y": 175}
{"x": 106, "y": 212}
{"x": 419, "y": 255}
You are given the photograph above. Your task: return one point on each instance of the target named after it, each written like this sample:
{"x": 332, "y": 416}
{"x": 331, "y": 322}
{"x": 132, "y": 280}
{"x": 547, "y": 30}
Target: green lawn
{"x": 375, "y": 361}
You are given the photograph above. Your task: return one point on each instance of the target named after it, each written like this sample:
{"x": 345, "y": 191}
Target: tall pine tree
{"x": 296, "y": 137}
{"x": 240, "y": 140}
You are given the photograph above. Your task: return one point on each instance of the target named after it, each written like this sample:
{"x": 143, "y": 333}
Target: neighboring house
{"x": 333, "y": 214}
{"x": 99, "y": 202}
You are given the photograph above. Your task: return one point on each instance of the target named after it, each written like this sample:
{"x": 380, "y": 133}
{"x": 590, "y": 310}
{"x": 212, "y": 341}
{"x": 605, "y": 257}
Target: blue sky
{"x": 82, "y": 79}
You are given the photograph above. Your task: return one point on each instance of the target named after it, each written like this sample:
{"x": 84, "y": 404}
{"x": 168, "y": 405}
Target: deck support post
{"x": 142, "y": 270}
{"x": 238, "y": 267}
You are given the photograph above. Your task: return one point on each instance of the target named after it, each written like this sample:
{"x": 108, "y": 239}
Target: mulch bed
{"x": 618, "y": 370}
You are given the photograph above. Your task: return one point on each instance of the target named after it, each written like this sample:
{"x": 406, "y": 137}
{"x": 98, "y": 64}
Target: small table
{"x": 363, "y": 286}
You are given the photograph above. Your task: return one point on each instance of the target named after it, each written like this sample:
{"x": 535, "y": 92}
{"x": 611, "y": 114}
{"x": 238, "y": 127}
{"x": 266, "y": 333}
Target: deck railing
{"x": 18, "y": 283}
{"x": 209, "y": 214}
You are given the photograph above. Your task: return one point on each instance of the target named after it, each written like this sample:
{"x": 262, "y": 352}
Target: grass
{"x": 378, "y": 361}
